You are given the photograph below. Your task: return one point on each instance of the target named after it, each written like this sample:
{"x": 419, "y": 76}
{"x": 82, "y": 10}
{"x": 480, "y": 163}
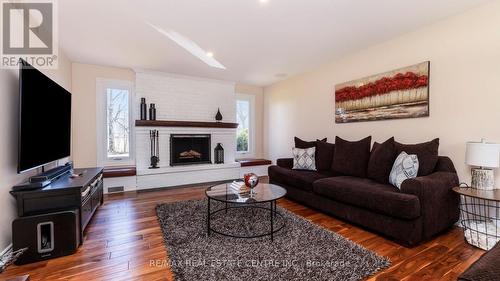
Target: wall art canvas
{"x": 401, "y": 93}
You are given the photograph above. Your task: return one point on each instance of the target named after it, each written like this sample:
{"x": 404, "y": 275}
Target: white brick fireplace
{"x": 182, "y": 98}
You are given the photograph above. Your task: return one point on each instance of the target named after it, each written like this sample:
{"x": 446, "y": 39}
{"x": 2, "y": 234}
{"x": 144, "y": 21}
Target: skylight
{"x": 190, "y": 46}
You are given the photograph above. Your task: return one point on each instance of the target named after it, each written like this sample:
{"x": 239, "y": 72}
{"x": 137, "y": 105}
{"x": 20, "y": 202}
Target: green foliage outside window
{"x": 242, "y": 140}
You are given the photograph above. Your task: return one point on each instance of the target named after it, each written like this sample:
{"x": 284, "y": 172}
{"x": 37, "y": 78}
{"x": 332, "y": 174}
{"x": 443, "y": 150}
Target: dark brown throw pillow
{"x": 381, "y": 161}
{"x": 351, "y": 157}
{"x": 324, "y": 155}
{"x": 306, "y": 144}
{"x": 426, "y": 152}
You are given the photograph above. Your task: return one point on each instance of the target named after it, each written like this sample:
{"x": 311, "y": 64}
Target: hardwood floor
{"x": 124, "y": 238}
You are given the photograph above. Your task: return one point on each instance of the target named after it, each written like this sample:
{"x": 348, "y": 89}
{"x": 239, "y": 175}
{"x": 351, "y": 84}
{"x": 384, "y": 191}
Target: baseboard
{"x": 201, "y": 184}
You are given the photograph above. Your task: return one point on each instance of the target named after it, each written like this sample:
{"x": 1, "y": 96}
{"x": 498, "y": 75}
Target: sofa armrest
{"x": 438, "y": 202}
{"x": 285, "y": 163}
{"x": 444, "y": 164}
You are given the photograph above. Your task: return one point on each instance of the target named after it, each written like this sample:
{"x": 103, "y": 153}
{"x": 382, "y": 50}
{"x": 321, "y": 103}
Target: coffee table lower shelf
{"x": 272, "y": 210}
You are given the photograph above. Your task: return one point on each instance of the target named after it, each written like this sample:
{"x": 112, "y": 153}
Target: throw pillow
{"x": 426, "y": 152}
{"x": 324, "y": 155}
{"x": 405, "y": 167}
{"x": 303, "y": 158}
{"x": 306, "y": 144}
{"x": 381, "y": 161}
{"x": 351, "y": 157}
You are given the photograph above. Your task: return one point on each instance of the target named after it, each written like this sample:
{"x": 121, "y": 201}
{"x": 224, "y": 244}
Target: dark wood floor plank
{"x": 440, "y": 267}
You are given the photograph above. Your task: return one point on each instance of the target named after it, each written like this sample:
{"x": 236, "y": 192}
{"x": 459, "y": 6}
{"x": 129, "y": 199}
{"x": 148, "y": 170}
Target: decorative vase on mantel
{"x": 143, "y": 109}
{"x": 218, "y": 116}
{"x": 152, "y": 112}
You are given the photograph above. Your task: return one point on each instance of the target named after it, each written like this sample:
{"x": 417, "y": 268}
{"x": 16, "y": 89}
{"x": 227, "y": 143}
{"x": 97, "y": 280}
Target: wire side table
{"x": 480, "y": 216}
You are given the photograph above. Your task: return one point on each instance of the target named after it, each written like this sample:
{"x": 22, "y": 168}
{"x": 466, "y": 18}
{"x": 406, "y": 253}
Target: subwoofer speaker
{"x": 46, "y": 236}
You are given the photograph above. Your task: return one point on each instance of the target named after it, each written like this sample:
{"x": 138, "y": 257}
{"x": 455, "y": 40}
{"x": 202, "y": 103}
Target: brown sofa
{"x": 424, "y": 207}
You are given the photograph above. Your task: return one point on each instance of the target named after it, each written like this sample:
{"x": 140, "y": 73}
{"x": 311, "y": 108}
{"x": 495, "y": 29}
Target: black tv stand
{"x": 84, "y": 193}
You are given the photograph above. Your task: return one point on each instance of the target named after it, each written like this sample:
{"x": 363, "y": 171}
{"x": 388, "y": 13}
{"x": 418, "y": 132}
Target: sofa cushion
{"x": 295, "y": 178}
{"x": 369, "y": 194}
{"x": 324, "y": 155}
{"x": 381, "y": 160}
{"x": 351, "y": 157}
{"x": 485, "y": 268}
{"x": 306, "y": 144}
{"x": 426, "y": 152}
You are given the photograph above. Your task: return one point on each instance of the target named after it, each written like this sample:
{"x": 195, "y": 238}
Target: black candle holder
{"x": 219, "y": 154}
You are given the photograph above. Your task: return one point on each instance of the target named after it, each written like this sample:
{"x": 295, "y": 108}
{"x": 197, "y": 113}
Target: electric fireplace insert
{"x": 188, "y": 149}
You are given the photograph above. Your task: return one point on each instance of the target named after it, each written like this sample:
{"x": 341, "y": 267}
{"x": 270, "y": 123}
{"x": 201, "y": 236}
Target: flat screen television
{"x": 44, "y": 119}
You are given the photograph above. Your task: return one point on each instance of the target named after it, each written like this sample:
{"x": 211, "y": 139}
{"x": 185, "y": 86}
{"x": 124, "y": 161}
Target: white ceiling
{"x": 256, "y": 42}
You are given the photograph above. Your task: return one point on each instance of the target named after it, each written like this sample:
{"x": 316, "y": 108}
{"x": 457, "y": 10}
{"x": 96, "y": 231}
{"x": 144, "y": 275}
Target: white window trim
{"x": 251, "y": 138}
{"x": 101, "y": 85}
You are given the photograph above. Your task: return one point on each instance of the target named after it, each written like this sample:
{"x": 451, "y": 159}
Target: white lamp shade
{"x": 482, "y": 154}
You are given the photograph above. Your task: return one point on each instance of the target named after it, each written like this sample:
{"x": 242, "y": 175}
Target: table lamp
{"x": 484, "y": 156}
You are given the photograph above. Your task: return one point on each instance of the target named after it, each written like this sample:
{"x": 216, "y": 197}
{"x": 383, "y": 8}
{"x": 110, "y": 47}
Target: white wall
{"x": 9, "y": 104}
{"x": 186, "y": 98}
{"x": 84, "y": 108}
{"x": 464, "y": 52}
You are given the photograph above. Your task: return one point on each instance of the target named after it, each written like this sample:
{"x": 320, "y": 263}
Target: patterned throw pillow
{"x": 405, "y": 167}
{"x": 303, "y": 158}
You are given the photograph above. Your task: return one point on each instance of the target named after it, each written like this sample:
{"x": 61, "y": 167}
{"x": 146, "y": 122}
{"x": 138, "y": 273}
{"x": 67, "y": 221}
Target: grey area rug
{"x": 300, "y": 251}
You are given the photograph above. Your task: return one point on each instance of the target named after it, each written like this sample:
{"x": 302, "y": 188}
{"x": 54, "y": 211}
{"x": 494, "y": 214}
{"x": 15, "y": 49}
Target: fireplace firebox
{"x": 188, "y": 149}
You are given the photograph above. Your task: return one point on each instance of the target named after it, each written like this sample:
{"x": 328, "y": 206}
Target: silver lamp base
{"x": 483, "y": 179}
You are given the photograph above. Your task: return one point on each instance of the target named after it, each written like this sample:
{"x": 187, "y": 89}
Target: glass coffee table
{"x": 232, "y": 198}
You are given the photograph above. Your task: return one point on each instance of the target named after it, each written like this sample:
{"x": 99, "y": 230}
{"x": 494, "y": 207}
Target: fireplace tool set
{"x": 155, "y": 153}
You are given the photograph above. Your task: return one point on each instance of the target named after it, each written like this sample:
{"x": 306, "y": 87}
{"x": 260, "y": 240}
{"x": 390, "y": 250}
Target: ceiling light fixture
{"x": 263, "y": 1}
{"x": 190, "y": 46}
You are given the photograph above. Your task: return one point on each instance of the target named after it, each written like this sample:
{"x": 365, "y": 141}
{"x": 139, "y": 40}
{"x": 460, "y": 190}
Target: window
{"x": 244, "y": 118}
{"x": 114, "y": 122}
{"x": 118, "y": 123}
{"x": 242, "y": 133}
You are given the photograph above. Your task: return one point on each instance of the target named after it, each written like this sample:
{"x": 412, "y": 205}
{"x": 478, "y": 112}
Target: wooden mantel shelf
{"x": 198, "y": 124}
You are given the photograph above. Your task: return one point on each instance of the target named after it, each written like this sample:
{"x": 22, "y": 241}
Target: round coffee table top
{"x": 263, "y": 192}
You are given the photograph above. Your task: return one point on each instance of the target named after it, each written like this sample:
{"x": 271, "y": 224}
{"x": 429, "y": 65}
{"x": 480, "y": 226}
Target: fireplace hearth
{"x": 189, "y": 149}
